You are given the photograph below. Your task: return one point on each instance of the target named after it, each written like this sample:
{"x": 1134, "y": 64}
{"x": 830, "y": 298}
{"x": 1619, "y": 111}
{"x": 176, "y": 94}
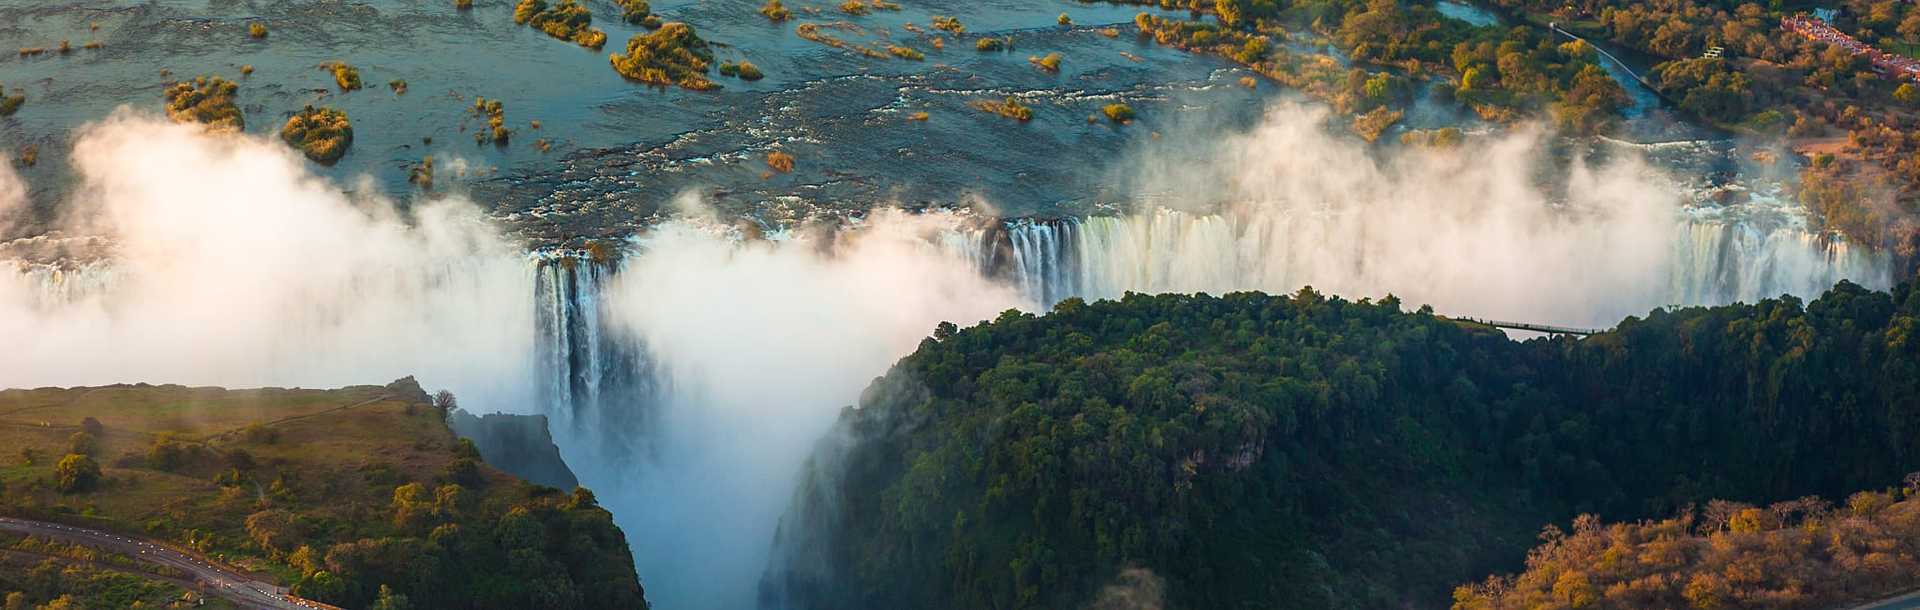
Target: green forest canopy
{"x": 1248, "y": 448}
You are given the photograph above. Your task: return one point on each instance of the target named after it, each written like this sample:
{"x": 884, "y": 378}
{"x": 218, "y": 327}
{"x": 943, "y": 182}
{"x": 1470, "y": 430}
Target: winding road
{"x": 233, "y": 586}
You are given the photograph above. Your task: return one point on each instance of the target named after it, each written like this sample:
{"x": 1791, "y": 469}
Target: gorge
{"x": 687, "y": 373}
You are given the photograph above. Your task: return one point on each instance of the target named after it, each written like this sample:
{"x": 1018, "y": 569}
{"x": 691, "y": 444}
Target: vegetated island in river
{"x": 1231, "y": 451}
{"x": 358, "y": 497}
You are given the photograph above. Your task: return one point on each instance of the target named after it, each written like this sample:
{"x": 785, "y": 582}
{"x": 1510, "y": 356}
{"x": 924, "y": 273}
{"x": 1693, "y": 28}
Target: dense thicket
{"x": 1792, "y": 555}
{"x": 1253, "y": 448}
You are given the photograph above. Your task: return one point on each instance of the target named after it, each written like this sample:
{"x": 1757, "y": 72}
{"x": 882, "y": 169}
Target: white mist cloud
{"x": 762, "y": 343}
{"x": 231, "y": 264}
{"x": 1473, "y": 231}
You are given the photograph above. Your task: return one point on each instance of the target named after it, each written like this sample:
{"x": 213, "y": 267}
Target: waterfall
{"x": 1709, "y": 261}
{"x": 593, "y": 381}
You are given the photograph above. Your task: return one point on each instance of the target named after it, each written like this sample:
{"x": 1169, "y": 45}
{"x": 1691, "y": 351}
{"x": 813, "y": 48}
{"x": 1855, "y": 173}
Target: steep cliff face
{"x": 518, "y": 444}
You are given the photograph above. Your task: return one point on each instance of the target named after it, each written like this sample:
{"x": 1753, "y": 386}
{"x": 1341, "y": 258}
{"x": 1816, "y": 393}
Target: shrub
{"x": 462, "y": 4}
{"x": 854, "y": 7}
{"x": 635, "y": 11}
{"x": 10, "y": 104}
{"x": 567, "y": 20}
{"x": 744, "y": 70}
{"x": 673, "y": 55}
{"x": 1050, "y": 63}
{"x": 207, "y": 100}
{"x": 496, "y": 114}
{"x": 990, "y": 44}
{"x": 257, "y": 30}
{"x": 780, "y": 161}
{"x": 1064, "y": 19}
{"x": 949, "y": 24}
{"x": 908, "y": 53}
{"x": 1010, "y": 108}
{"x": 76, "y": 473}
{"x": 346, "y": 76}
{"x": 83, "y": 443}
{"x": 1118, "y": 113}
{"x": 399, "y": 86}
{"x": 775, "y": 11}
{"x": 323, "y": 134}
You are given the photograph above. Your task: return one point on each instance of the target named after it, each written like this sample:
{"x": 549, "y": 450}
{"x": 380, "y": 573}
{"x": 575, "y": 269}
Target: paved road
{"x": 239, "y": 589}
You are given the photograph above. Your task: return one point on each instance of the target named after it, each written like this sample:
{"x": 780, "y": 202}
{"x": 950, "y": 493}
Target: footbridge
{"x": 1538, "y": 328}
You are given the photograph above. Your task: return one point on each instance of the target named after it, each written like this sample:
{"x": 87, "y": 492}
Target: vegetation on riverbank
{"x": 1502, "y": 74}
{"x": 1248, "y": 448}
{"x": 672, "y": 55}
{"x": 207, "y": 100}
{"x": 322, "y": 134}
{"x": 338, "y": 493}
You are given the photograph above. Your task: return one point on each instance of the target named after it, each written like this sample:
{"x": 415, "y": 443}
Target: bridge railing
{"x": 1538, "y": 328}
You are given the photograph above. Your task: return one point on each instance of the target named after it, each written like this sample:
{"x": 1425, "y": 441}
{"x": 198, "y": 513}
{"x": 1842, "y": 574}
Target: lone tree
{"x": 92, "y": 426}
{"x": 75, "y": 473}
{"x": 83, "y": 443}
{"x": 445, "y": 402}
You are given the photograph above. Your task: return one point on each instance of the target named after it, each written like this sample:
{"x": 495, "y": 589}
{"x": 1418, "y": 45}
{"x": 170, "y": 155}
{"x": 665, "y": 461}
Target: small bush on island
{"x": 780, "y": 162}
{"x": 323, "y": 134}
{"x": 496, "y": 114}
{"x": 672, "y": 55}
{"x": 346, "y": 76}
{"x": 908, "y": 53}
{"x": 1064, "y": 20}
{"x": 1369, "y": 126}
{"x": 207, "y": 100}
{"x": 775, "y": 11}
{"x": 743, "y": 70}
{"x": 399, "y": 86}
{"x": 1050, "y": 63}
{"x": 246, "y": 70}
{"x": 1118, "y": 113}
{"x": 638, "y": 12}
{"x": 567, "y": 20}
{"x": 29, "y": 155}
{"x": 11, "y": 102}
{"x": 1010, "y": 108}
{"x": 422, "y": 175}
{"x": 854, "y": 7}
{"x": 948, "y": 24}
{"x": 257, "y": 30}
{"x": 462, "y": 4}
{"x": 993, "y": 44}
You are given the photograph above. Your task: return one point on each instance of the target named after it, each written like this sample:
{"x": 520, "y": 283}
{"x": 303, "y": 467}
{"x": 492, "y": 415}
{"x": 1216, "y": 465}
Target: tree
{"x": 75, "y": 473}
{"x": 1906, "y": 93}
{"x": 82, "y": 443}
{"x": 445, "y": 401}
{"x": 92, "y": 426}
{"x": 166, "y": 453}
{"x": 389, "y": 600}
